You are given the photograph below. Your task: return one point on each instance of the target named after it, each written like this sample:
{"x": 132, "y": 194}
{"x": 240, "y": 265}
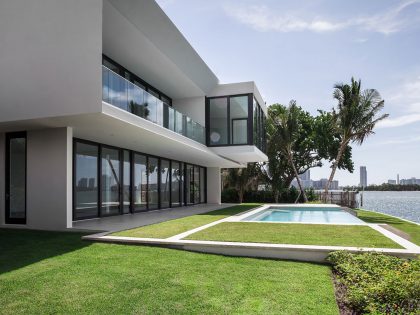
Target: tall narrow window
{"x": 126, "y": 190}
{"x": 86, "y": 180}
{"x": 239, "y": 119}
{"x": 175, "y": 184}
{"x": 110, "y": 181}
{"x": 196, "y": 184}
{"x": 218, "y": 121}
{"x": 16, "y": 178}
{"x": 140, "y": 182}
{"x": 189, "y": 184}
{"x": 164, "y": 183}
{"x": 202, "y": 184}
{"x": 153, "y": 183}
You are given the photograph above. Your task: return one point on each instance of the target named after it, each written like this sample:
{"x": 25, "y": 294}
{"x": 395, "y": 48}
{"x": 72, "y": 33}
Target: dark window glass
{"x": 202, "y": 184}
{"x": 140, "y": 182}
{"x": 218, "y": 121}
{"x": 175, "y": 184}
{"x": 153, "y": 187}
{"x": 86, "y": 181}
{"x": 196, "y": 184}
{"x": 189, "y": 184}
{"x": 239, "y": 119}
{"x": 127, "y": 181}
{"x": 16, "y": 185}
{"x": 110, "y": 177}
{"x": 164, "y": 183}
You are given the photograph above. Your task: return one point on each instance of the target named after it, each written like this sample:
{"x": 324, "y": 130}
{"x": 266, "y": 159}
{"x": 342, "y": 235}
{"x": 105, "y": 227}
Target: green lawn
{"x": 305, "y": 234}
{"x": 374, "y": 217}
{"x": 57, "y": 273}
{"x": 177, "y": 226}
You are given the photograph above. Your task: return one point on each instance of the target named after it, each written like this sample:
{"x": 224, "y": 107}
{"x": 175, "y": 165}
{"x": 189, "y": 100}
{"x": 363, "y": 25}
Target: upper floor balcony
{"x": 120, "y": 92}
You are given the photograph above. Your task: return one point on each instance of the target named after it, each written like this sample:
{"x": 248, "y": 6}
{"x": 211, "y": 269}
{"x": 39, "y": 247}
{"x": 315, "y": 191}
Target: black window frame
{"x": 250, "y": 123}
{"x": 8, "y": 137}
{"x": 182, "y": 190}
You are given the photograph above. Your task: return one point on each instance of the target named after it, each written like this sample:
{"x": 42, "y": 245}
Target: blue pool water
{"x": 304, "y": 215}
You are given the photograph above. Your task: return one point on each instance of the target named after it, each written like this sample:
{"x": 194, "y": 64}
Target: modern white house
{"x": 106, "y": 109}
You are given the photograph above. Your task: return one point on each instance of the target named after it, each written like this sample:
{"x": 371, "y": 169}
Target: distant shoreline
{"x": 385, "y": 187}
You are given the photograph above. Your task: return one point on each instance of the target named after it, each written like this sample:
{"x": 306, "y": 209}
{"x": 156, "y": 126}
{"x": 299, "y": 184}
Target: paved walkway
{"x": 130, "y": 221}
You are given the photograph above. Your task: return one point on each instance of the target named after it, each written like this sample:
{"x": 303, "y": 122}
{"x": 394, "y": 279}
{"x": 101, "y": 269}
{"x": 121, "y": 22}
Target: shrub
{"x": 290, "y": 195}
{"x": 377, "y": 283}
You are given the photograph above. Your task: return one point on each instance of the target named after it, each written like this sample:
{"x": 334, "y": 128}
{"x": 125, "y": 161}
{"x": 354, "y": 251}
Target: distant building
{"x": 306, "y": 175}
{"x": 410, "y": 181}
{"x": 320, "y": 184}
{"x": 398, "y": 179}
{"x": 363, "y": 176}
{"x": 392, "y": 181}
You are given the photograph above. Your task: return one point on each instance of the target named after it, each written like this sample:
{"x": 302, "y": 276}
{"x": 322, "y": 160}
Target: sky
{"x": 300, "y": 49}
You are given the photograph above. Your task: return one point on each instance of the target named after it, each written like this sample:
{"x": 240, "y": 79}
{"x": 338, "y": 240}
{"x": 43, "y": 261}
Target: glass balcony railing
{"x": 123, "y": 94}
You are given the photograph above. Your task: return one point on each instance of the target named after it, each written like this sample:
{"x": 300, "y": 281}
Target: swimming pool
{"x": 331, "y": 215}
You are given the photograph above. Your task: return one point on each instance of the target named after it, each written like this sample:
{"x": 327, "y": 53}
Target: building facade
{"x": 106, "y": 109}
{"x": 363, "y": 176}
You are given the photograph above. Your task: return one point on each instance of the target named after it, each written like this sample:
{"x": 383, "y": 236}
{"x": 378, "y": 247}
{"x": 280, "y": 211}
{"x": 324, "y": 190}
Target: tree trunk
{"x": 305, "y": 199}
{"x": 334, "y": 168}
{"x": 240, "y": 195}
{"x": 276, "y": 196}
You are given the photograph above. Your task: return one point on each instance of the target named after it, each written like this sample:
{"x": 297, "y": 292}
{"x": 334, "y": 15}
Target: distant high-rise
{"x": 398, "y": 179}
{"x": 363, "y": 176}
{"x": 306, "y": 175}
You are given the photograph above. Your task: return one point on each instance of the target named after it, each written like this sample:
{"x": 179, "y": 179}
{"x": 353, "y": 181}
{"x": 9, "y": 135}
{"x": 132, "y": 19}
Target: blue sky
{"x": 300, "y": 49}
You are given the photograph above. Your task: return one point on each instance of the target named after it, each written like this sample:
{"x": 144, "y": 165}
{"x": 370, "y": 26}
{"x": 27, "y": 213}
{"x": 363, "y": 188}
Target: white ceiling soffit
{"x": 154, "y": 49}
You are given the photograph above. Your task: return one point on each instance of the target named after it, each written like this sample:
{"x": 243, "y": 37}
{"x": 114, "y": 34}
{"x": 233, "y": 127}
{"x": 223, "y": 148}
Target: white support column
{"x": 214, "y": 185}
{"x": 49, "y": 178}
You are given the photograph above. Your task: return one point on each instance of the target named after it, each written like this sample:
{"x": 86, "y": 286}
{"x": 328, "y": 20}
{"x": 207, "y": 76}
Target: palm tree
{"x": 286, "y": 134}
{"x": 355, "y": 117}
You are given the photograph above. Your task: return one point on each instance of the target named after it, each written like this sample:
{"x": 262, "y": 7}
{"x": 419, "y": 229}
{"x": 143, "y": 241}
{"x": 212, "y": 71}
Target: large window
{"x": 111, "y": 181}
{"x": 176, "y": 177}
{"x": 165, "y": 183}
{"x": 86, "y": 181}
{"x": 140, "y": 182}
{"x": 239, "y": 119}
{"x": 16, "y": 178}
{"x": 153, "y": 186}
{"x": 218, "y": 120}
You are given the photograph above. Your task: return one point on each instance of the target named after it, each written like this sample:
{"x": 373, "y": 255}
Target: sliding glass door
{"x": 110, "y": 176}
{"x": 165, "y": 184}
{"x": 140, "y": 182}
{"x": 16, "y": 178}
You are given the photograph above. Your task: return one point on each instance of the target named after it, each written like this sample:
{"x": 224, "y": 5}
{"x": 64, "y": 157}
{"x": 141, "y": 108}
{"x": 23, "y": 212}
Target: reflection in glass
{"x": 202, "y": 185}
{"x": 153, "y": 187}
{"x": 218, "y": 121}
{"x": 175, "y": 184}
{"x": 127, "y": 181}
{"x": 86, "y": 180}
{"x": 164, "y": 183}
{"x": 189, "y": 184}
{"x": 239, "y": 119}
{"x": 110, "y": 176}
{"x": 17, "y": 178}
{"x": 196, "y": 184}
{"x": 140, "y": 182}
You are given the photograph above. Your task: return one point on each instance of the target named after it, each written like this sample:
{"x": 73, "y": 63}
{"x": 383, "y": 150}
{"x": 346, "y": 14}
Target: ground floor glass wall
{"x": 111, "y": 181}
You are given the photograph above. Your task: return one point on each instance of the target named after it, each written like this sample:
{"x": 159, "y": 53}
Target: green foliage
{"x": 289, "y": 195}
{"x": 377, "y": 283}
{"x": 242, "y": 178}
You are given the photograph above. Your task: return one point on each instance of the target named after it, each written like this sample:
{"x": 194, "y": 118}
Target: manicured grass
{"x": 173, "y": 227}
{"x": 305, "y": 234}
{"x": 413, "y": 230}
{"x": 57, "y": 273}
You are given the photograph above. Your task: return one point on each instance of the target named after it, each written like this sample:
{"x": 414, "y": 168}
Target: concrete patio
{"x": 130, "y": 221}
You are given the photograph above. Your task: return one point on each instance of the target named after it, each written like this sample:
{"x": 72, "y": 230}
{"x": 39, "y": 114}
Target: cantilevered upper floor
{"x": 120, "y": 72}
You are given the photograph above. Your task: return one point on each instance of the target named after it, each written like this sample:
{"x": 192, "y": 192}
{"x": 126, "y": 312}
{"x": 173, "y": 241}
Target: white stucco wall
{"x": 50, "y": 58}
{"x": 49, "y": 178}
{"x": 194, "y": 107}
{"x": 214, "y": 185}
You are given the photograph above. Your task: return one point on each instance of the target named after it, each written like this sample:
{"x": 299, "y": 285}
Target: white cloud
{"x": 406, "y": 98}
{"x": 262, "y": 18}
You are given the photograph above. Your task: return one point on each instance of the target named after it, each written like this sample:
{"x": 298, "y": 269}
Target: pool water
{"x": 304, "y": 215}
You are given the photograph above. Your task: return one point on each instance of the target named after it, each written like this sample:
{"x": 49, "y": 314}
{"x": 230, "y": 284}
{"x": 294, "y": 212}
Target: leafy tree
{"x": 354, "y": 119}
{"x": 291, "y": 144}
{"x": 242, "y": 178}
